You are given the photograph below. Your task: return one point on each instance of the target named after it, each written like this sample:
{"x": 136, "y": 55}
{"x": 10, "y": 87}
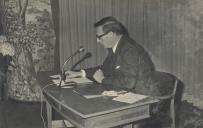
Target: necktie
{"x": 111, "y": 60}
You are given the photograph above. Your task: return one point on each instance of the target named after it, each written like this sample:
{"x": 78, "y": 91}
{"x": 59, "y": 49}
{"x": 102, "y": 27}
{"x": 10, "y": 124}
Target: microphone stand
{"x": 63, "y": 75}
{"x": 87, "y": 55}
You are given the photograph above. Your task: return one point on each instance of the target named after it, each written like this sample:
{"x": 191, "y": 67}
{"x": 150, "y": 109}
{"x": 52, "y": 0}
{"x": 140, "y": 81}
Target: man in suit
{"x": 127, "y": 63}
{"x": 128, "y": 67}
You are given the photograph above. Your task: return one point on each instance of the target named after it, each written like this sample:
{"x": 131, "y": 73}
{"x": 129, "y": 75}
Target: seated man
{"x": 127, "y": 61}
{"x": 127, "y": 66}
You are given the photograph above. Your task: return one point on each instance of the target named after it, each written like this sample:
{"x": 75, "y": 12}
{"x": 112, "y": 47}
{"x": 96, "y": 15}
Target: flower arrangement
{"x": 6, "y": 48}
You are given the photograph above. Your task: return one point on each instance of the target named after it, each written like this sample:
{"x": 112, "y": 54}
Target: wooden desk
{"x": 101, "y": 112}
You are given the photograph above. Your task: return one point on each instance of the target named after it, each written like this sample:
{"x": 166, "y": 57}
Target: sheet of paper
{"x": 129, "y": 97}
{"x": 63, "y": 85}
{"x": 79, "y": 80}
{"x": 55, "y": 76}
{"x": 113, "y": 93}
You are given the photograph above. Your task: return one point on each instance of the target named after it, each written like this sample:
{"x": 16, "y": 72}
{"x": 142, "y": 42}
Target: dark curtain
{"x": 1, "y": 29}
{"x": 1, "y": 16}
{"x": 55, "y": 15}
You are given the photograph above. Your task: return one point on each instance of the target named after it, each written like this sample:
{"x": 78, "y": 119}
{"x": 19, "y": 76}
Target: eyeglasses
{"x": 100, "y": 36}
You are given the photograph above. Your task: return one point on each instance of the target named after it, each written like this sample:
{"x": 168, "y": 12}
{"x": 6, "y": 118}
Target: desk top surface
{"x": 81, "y": 105}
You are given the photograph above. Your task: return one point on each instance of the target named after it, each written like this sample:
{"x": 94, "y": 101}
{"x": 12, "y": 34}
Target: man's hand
{"x": 73, "y": 74}
{"x": 98, "y": 76}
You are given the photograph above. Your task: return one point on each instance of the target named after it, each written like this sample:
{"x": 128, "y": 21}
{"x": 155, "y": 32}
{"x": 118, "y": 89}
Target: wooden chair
{"x": 172, "y": 103}
{"x": 168, "y": 89}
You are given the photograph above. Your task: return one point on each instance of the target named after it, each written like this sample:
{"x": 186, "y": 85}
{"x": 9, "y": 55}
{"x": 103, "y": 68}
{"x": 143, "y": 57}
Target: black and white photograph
{"x": 101, "y": 64}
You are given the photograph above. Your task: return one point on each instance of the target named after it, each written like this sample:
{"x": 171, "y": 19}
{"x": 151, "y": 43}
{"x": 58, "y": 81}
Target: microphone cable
{"x": 41, "y": 107}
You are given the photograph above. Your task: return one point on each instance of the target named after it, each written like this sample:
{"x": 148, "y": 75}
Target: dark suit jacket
{"x": 124, "y": 69}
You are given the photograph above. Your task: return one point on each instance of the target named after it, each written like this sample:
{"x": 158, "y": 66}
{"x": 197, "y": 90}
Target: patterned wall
{"x": 171, "y": 30}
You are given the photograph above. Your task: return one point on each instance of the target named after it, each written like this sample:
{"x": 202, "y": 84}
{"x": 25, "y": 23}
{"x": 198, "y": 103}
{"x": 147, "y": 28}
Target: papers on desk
{"x": 79, "y": 80}
{"x": 92, "y": 91}
{"x": 113, "y": 93}
{"x": 72, "y": 81}
{"x": 129, "y": 97}
{"x": 55, "y": 76}
{"x": 63, "y": 84}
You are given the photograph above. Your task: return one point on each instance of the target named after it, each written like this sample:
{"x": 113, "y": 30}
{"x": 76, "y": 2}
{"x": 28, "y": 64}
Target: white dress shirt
{"x": 114, "y": 50}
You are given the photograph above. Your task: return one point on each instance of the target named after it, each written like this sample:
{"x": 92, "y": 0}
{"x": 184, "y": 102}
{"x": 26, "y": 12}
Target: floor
{"x": 20, "y": 115}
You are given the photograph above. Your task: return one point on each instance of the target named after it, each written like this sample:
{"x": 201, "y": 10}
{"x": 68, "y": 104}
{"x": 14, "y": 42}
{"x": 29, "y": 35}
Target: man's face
{"x": 105, "y": 39}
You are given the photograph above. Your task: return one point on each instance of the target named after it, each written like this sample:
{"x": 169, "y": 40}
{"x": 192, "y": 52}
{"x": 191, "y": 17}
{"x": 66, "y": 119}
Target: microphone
{"x": 63, "y": 75}
{"x": 87, "y": 55}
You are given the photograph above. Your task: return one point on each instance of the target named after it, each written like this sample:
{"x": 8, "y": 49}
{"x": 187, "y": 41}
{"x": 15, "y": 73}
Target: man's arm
{"x": 82, "y": 73}
{"x": 90, "y": 71}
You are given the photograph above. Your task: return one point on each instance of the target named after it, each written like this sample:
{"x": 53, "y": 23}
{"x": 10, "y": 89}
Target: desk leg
{"x": 49, "y": 115}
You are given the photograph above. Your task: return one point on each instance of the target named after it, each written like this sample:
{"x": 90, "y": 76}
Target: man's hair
{"x": 111, "y": 24}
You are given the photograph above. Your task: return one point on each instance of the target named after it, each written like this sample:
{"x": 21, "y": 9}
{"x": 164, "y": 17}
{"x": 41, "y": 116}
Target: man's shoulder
{"x": 130, "y": 45}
